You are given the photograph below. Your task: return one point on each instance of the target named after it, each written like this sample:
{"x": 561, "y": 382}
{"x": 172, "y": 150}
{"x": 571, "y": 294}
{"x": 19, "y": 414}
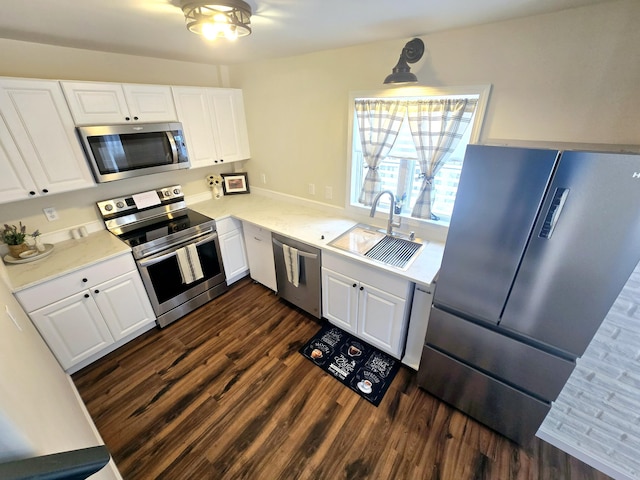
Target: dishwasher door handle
{"x": 311, "y": 256}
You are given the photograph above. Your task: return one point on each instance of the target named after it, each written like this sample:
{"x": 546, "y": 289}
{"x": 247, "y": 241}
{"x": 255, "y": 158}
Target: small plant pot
{"x": 16, "y": 250}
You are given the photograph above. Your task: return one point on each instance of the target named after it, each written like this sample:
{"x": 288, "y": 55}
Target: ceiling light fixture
{"x": 223, "y": 19}
{"x": 411, "y": 53}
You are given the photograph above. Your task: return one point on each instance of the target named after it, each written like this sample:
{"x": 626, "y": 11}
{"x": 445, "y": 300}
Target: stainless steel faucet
{"x": 390, "y": 223}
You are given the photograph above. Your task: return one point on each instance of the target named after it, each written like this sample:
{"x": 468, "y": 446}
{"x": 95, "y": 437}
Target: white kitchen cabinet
{"x": 232, "y": 140}
{"x": 418, "y": 322}
{"x": 214, "y": 124}
{"x": 16, "y": 181}
{"x": 94, "y": 103}
{"x": 88, "y": 313}
{"x": 234, "y": 253}
{"x": 73, "y": 328}
{"x": 262, "y": 267}
{"x": 340, "y": 296}
{"x": 124, "y": 304}
{"x": 39, "y": 151}
{"x": 366, "y": 302}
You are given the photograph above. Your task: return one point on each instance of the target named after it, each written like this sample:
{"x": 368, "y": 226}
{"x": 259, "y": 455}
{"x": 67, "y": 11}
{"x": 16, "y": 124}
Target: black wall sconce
{"x": 411, "y": 53}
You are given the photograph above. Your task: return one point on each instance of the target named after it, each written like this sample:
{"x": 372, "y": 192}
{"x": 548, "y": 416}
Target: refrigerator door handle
{"x": 553, "y": 213}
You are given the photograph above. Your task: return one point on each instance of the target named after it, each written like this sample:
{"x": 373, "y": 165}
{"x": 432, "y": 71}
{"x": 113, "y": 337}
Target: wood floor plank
{"x": 224, "y": 394}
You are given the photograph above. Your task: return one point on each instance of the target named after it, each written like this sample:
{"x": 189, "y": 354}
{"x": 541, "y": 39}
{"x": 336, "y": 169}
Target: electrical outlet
{"x": 264, "y": 178}
{"x": 312, "y": 189}
{"x": 328, "y": 192}
{"x": 50, "y": 213}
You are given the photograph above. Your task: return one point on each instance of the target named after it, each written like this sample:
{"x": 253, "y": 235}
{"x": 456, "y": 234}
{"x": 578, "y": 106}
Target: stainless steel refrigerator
{"x": 539, "y": 246}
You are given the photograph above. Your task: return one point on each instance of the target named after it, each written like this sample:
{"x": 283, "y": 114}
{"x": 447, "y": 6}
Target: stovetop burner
{"x": 150, "y": 222}
{"x": 164, "y": 228}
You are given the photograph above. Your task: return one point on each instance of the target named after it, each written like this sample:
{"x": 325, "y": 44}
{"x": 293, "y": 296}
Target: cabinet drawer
{"x": 257, "y": 233}
{"x": 227, "y": 225}
{"x": 53, "y": 290}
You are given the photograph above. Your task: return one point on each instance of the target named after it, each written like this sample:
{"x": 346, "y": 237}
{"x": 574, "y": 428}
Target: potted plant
{"x": 15, "y": 237}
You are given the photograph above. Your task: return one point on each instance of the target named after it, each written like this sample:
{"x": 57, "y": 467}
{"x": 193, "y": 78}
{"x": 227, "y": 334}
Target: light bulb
{"x": 210, "y": 30}
{"x": 220, "y": 18}
{"x": 231, "y": 32}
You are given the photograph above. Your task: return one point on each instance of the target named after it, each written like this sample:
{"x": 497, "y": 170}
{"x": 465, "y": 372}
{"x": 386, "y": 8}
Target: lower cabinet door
{"x": 234, "y": 256}
{"x": 262, "y": 267}
{"x": 340, "y": 300}
{"x": 381, "y": 319}
{"x": 73, "y": 328}
{"x": 124, "y": 304}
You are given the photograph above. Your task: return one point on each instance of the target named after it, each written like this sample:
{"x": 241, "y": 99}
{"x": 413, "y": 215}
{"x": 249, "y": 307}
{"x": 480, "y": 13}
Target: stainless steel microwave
{"x": 116, "y": 152}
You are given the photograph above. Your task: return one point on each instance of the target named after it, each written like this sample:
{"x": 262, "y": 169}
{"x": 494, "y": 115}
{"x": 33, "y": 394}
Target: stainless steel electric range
{"x": 176, "y": 249}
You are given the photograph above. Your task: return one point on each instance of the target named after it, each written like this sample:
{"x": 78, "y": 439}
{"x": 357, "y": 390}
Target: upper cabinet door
{"x": 15, "y": 182}
{"x": 150, "y": 103}
{"x": 94, "y": 103}
{"x": 192, "y": 106}
{"x": 214, "y": 124}
{"x": 230, "y": 124}
{"x": 40, "y": 123}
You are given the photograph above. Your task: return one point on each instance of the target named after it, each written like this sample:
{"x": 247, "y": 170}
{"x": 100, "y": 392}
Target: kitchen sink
{"x": 397, "y": 250}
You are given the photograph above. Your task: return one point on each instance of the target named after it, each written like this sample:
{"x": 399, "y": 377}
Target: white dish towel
{"x": 189, "y": 264}
{"x": 291, "y": 264}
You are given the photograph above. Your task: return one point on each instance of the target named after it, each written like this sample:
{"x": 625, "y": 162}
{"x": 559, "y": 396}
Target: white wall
{"x": 597, "y": 414}
{"x": 34, "y": 60}
{"x": 40, "y": 410}
{"x": 570, "y": 76}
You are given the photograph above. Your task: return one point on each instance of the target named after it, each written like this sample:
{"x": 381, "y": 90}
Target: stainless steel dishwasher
{"x": 305, "y": 272}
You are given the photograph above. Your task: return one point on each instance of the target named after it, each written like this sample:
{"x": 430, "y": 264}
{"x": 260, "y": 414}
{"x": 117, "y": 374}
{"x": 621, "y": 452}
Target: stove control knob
{"x": 108, "y": 207}
{"x": 176, "y": 191}
{"x": 167, "y": 193}
{"x": 120, "y": 205}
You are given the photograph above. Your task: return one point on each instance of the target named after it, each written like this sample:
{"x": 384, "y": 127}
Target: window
{"x": 400, "y": 169}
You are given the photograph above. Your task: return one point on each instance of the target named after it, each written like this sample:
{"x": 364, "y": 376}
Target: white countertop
{"x": 316, "y": 227}
{"x": 66, "y": 257}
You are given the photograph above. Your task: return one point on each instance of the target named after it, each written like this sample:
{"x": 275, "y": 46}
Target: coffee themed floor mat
{"x": 358, "y": 365}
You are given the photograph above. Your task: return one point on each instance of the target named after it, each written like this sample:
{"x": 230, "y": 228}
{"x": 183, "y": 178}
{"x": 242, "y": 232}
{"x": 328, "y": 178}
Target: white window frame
{"x": 482, "y": 91}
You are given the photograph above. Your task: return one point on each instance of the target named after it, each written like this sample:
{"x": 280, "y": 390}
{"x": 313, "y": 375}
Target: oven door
{"x": 163, "y": 281}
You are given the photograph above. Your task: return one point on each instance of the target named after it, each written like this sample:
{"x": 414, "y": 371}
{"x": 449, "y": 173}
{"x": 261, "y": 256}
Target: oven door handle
{"x": 159, "y": 257}
{"x": 146, "y": 253}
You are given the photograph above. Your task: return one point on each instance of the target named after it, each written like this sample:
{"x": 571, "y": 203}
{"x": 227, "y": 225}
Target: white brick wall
{"x": 597, "y": 415}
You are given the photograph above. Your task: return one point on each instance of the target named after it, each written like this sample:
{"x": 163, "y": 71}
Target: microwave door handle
{"x": 174, "y": 148}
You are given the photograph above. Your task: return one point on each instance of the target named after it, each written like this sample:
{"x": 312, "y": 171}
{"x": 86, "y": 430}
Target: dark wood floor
{"x": 224, "y": 394}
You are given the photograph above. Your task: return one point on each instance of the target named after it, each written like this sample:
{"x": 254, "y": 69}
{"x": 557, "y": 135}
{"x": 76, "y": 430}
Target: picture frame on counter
{"x": 235, "y": 183}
